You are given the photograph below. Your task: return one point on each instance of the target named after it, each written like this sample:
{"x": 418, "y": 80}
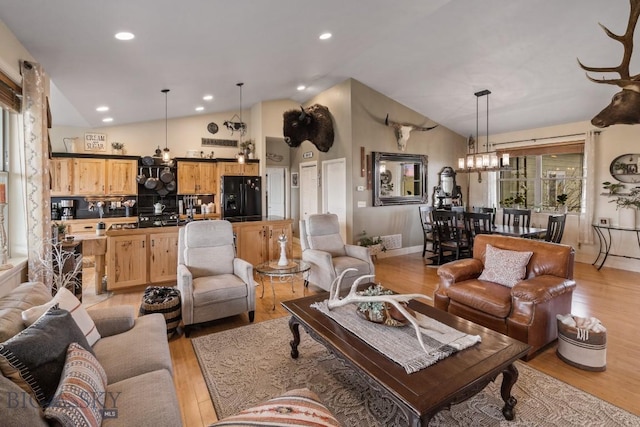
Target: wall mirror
{"x": 399, "y": 179}
{"x": 447, "y": 192}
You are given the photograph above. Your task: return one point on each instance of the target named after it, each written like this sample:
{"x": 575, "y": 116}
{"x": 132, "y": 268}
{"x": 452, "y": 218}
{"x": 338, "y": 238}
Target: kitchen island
{"x": 149, "y": 256}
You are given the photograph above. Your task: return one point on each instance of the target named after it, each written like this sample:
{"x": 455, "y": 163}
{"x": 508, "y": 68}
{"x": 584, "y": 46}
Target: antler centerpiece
{"x": 398, "y": 301}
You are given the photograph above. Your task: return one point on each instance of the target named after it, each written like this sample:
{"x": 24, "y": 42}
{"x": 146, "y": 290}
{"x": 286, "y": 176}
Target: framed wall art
{"x": 294, "y": 180}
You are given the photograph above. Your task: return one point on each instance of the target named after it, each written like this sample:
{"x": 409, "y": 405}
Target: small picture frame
{"x": 632, "y": 168}
{"x": 294, "y": 180}
{"x": 604, "y": 222}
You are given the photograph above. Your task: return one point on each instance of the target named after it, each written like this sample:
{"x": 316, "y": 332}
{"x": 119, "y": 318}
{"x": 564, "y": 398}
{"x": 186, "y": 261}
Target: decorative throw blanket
{"x": 401, "y": 344}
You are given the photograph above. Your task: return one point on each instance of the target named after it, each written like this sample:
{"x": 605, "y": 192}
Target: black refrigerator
{"x": 241, "y": 198}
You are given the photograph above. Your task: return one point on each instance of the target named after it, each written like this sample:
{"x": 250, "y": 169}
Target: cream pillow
{"x": 66, "y": 301}
{"x": 504, "y": 267}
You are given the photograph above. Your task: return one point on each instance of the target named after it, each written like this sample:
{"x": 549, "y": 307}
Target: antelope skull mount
{"x": 403, "y": 131}
{"x": 625, "y": 105}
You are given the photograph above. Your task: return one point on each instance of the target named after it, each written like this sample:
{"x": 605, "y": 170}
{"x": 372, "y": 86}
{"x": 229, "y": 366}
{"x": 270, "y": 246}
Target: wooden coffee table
{"x": 424, "y": 393}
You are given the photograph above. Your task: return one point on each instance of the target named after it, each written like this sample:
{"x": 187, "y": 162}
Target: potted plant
{"x": 627, "y": 205}
{"x": 612, "y": 187}
{"x": 58, "y": 231}
{"x": 117, "y": 147}
{"x": 374, "y": 243}
{"x": 561, "y": 200}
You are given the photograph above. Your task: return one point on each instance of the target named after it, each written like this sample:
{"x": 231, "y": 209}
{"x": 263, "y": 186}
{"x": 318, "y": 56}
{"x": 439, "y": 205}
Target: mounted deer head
{"x": 403, "y": 131}
{"x": 625, "y": 105}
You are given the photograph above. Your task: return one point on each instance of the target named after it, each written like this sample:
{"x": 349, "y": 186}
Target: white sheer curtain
{"x": 36, "y": 169}
{"x": 585, "y": 234}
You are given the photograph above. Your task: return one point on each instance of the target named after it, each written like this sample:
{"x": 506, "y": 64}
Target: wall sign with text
{"x": 307, "y": 154}
{"x": 95, "y": 142}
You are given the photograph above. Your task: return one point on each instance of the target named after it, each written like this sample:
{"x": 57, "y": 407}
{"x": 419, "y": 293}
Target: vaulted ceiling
{"x": 431, "y": 56}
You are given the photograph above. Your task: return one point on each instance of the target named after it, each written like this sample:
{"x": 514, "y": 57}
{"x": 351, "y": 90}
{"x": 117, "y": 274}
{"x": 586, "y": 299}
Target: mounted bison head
{"x": 312, "y": 124}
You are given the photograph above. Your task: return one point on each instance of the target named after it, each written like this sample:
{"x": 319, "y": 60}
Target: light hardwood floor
{"x": 611, "y": 295}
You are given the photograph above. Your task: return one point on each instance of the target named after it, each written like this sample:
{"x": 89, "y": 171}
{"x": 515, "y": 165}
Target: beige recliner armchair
{"x": 324, "y": 249}
{"x": 213, "y": 282}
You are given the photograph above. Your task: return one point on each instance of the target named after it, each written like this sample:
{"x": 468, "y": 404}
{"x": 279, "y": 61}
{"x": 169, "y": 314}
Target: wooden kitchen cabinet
{"x": 126, "y": 261}
{"x": 61, "y": 176}
{"x": 257, "y": 242}
{"x": 197, "y": 178}
{"x": 235, "y": 168}
{"x": 251, "y": 242}
{"x": 99, "y": 177}
{"x": 121, "y": 176}
{"x": 141, "y": 257}
{"x": 163, "y": 259}
{"x": 88, "y": 177}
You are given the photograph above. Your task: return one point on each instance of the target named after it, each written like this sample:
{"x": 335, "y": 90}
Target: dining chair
{"x": 516, "y": 217}
{"x": 555, "y": 228}
{"x": 492, "y": 211}
{"x": 450, "y": 234}
{"x": 427, "y": 229}
{"x": 477, "y": 223}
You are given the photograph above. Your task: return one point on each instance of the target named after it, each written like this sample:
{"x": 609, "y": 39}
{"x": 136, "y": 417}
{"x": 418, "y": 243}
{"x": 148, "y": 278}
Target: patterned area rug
{"x": 247, "y": 365}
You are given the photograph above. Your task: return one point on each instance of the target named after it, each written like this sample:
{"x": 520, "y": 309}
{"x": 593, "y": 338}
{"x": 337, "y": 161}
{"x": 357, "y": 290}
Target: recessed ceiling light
{"x": 107, "y": 119}
{"x": 301, "y": 87}
{"x": 199, "y": 108}
{"x": 207, "y": 97}
{"x": 325, "y": 36}
{"x": 102, "y": 108}
{"x": 124, "y": 35}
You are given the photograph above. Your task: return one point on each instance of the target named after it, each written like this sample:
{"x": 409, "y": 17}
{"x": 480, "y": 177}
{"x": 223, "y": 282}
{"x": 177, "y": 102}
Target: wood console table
{"x": 604, "y": 240}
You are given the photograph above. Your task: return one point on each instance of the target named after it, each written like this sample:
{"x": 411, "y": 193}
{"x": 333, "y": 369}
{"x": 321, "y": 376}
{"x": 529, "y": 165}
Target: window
{"x": 542, "y": 177}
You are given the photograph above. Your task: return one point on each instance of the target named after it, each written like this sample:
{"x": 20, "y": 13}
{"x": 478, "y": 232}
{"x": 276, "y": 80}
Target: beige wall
{"x": 141, "y": 139}
{"x": 11, "y": 54}
{"x": 441, "y": 145}
{"x": 612, "y": 142}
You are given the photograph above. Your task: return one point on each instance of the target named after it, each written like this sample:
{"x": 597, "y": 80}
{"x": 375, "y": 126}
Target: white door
{"x": 276, "y": 196}
{"x": 334, "y": 191}
{"x": 308, "y": 189}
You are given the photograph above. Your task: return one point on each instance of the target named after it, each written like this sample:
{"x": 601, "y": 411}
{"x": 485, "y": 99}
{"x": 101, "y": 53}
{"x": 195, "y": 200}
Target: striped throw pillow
{"x": 79, "y": 399}
{"x": 301, "y": 408}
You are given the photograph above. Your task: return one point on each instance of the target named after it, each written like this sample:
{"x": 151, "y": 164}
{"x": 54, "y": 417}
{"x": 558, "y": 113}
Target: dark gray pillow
{"x": 34, "y": 358}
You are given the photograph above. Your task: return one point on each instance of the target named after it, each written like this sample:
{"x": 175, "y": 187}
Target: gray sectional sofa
{"x": 133, "y": 352}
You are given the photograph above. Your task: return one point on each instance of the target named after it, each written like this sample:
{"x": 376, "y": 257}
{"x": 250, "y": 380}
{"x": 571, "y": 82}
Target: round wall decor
{"x": 212, "y": 128}
{"x": 626, "y": 168}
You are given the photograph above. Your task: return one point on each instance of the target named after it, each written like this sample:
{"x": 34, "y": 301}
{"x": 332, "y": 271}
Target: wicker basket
{"x": 583, "y": 349}
{"x": 164, "y": 300}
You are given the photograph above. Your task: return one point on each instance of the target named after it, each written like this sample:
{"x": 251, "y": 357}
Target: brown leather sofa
{"x": 526, "y": 312}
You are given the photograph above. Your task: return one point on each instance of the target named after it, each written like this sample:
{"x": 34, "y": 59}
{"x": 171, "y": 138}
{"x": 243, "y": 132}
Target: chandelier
{"x": 475, "y": 160}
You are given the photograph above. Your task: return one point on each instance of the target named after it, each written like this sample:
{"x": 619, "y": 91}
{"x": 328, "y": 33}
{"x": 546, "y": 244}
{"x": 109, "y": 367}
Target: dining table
{"x": 518, "y": 231}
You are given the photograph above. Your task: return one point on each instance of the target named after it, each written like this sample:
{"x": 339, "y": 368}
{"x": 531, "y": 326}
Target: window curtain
{"x": 585, "y": 232}
{"x": 36, "y": 169}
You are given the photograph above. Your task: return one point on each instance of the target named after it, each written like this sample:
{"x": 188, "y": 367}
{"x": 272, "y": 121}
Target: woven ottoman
{"x": 164, "y": 300}
{"x": 582, "y": 348}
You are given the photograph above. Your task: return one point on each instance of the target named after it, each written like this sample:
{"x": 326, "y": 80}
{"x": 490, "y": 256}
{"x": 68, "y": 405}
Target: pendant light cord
{"x": 166, "y": 118}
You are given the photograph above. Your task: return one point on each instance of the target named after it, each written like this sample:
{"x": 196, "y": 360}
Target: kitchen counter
{"x": 149, "y": 256}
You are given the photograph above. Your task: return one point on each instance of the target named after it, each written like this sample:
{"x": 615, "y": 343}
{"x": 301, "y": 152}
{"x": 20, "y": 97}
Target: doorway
{"x": 334, "y": 192}
{"x": 308, "y": 189}
{"x": 276, "y": 192}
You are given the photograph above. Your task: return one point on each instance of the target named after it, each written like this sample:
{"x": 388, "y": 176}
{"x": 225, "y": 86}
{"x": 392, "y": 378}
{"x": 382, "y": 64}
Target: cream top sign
{"x": 95, "y": 142}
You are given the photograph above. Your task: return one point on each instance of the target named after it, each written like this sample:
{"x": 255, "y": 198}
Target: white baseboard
{"x": 400, "y": 251}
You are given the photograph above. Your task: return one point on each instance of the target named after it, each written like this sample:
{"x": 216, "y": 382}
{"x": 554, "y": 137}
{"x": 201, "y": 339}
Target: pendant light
{"x": 166, "y": 153}
{"x": 475, "y": 160}
{"x": 241, "y": 156}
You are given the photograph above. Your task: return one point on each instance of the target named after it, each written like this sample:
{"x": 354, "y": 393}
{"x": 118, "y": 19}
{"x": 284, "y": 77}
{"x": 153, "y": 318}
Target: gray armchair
{"x": 324, "y": 249}
{"x": 213, "y": 282}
